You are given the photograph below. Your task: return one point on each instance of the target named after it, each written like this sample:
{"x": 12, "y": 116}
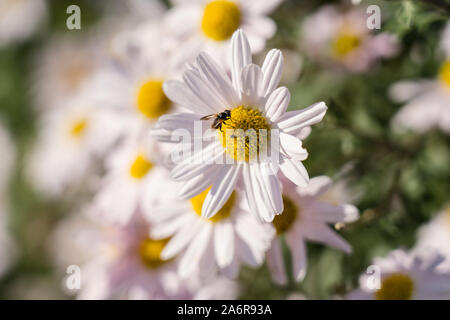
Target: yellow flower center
{"x": 150, "y": 252}
{"x": 283, "y": 222}
{"x": 221, "y": 19}
{"x": 344, "y": 44}
{"x": 78, "y": 128}
{"x": 444, "y": 73}
{"x": 140, "y": 167}
{"x": 245, "y": 134}
{"x": 151, "y": 100}
{"x": 397, "y": 286}
{"x": 224, "y": 212}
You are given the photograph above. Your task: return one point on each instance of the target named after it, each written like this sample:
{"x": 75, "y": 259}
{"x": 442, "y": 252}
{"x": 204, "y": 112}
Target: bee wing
{"x": 210, "y": 116}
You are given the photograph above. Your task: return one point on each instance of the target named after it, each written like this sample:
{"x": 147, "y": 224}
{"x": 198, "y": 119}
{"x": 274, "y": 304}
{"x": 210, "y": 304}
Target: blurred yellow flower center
{"x": 140, "y": 167}
{"x": 344, "y": 44}
{"x": 224, "y": 212}
{"x": 221, "y": 19}
{"x": 245, "y": 134}
{"x": 444, "y": 73}
{"x": 397, "y": 286}
{"x": 78, "y": 128}
{"x": 151, "y": 100}
{"x": 150, "y": 252}
{"x": 283, "y": 222}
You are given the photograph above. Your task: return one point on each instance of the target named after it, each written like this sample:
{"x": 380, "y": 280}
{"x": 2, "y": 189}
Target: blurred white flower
{"x": 405, "y": 276}
{"x": 19, "y": 19}
{"x": 209, "y": 24}
{"x": 308, "y": 211}
{"x": 427, "y": 100}
{"x": 340, "y": 38}
{"x": 435, "y": 236}
{"x": 255, "y": 105}
{"x": 70, "y": 138}
{"x": 232, "y": 237}
{"x": 132, "y": 87}
{"x": 62, "y": 68}
{"x": 127, "y": 264}
{"x": 136, "y": 181}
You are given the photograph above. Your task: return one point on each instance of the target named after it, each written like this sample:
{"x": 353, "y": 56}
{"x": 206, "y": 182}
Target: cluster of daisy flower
{"x": 189, "y": 164}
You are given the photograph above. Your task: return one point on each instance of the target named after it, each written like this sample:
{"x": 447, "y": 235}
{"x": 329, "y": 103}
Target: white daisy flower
{"x": 126, "y": 264}
{"x": 435, "y": 236}
{"x": 232, "y": 237}
{"x": 255, "y": 112}
{"x": 210, "y": 24}
{"x": 427, "y": 100}
{"x": 70, "y": 139}
{"x": 307, "y": 214}
{"x": 62, "y": 68}
{"x": 133, "y": 86}
{"x": 340, "y": 38}
{"x": 135, "y": 181}
{"x": 20, "y": 19}
{"x": 404, "y": 276}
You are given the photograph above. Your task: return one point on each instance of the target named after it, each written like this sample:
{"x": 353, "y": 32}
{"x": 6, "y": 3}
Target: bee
{"x": 218, "y": 119}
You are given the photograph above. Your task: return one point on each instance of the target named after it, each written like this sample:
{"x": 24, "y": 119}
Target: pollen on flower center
{"x": 283, "y": 222}
{"x": 245, "y": 134}
{"x": 344, "y": 44}
{"x": 444, "y": 73}
{"x": 151, "y": 100}
{"x": 397, "y": 286}
{"x": 150, "y": 252}
{"x": 221, "y": 19}
{"x": 78, "y": 128}
{"x": 140, "y": 167}
{"x": 224, "y": 212}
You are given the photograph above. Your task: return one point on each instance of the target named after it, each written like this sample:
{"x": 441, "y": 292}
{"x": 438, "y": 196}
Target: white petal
{"x": 316, "y": 186}
{"x": 181, "y": 239}
{"x": 195, "y": 251}
{"x": 198, "y": 184}
{"x": 265, "y": 210}
{"x": 277, "y": 103}
{"x": 323, "y": 234}
{"x": 298, "y": 253}
{"x": 224, "y": 243}
{"x": 241, "y": 57}
{"x": 292, "y": 147}
{"x": 203, "y": 90}
{"x": 271, "y": 184}
{"x": 220, "y": 191}
{"x": 178, "y": 92}
{"x": 297, "y": 120}
{"x": 218, "y": 79}
{"x": 253, "y": 195}
{"x": 275, "y": 262}
{"x": 295, "y": 171}
{"x": 252, "y": 85}
{"x": 272, "y": 69}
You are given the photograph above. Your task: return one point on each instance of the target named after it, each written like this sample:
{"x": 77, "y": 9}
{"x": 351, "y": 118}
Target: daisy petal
{"x": 181, "y": 239}
{"x": 277, "y": 103}
{"x": 241, "y": 57}
{"x": 323, "y": 234}
{"x": 292, "y": 122}
{"x": 292, "y": 147}
{"x": 275, "y": 262}
{"x": 224, "y": 243}
{"x": 252, "y": 84}
{"x": 179, "y": 93}
{"x": 257, "y": 207}
{"x": 217, "y": 78}
{"x": 195, "y": 251}
{"x": 272, "y": 69}
{"x": 295, "y": 171}
{"x": 198, "y": 184}
{"x": 298, "y": 252}
{"x": 272, "y": 186}
{"x": 220, "y": 191}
